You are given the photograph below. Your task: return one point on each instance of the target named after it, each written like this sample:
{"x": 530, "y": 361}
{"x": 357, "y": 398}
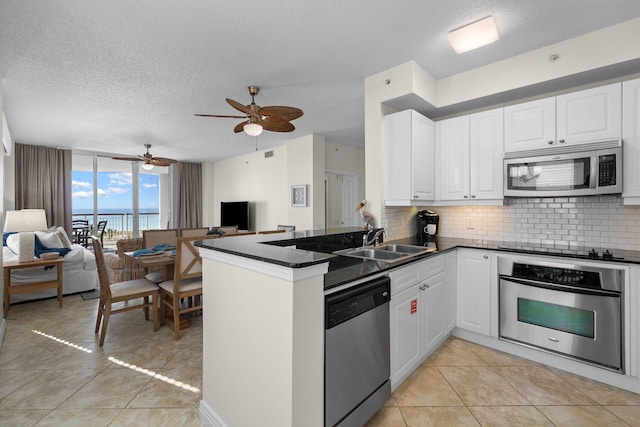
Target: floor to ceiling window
{"x": 129, "y": 198}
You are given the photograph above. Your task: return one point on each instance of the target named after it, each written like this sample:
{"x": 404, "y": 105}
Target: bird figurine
{"x": 369, "y": 221}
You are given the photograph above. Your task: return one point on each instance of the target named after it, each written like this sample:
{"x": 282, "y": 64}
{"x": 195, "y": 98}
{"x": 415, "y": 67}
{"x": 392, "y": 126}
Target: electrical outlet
{"x": 470, "y": 223}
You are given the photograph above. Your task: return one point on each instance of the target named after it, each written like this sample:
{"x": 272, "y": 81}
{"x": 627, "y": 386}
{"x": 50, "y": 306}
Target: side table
{"x": 23, "y": 288}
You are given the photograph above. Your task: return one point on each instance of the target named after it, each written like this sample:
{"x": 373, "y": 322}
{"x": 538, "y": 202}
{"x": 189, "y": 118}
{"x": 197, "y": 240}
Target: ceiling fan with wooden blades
{"x": 148, "y": 159}
{"x": 273, "y": 118}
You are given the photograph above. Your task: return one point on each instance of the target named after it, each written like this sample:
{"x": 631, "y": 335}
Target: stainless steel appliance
{"x": 572, "y": 170}
{"x": 357, "y": 357}
{"x": 428, "y": 222}
{"x": 566, "y": 308}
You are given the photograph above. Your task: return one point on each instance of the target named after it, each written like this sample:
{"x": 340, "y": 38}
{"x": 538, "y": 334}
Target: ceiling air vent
{"x": 268, "y": 154}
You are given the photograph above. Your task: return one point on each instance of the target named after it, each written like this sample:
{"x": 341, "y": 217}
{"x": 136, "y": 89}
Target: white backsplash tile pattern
{"x": 571, "y": 222}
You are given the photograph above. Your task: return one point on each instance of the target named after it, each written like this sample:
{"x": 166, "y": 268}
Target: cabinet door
{"x": 590, "y": 115}
{"x": 422, "y": 149}
{"x": 631, "y": 138}
{"x": 530, "y": 125}
{"x": 474, "y": 288}
{"x": 451, "y": 277}
{"x": 405, "y": 310}
{"x": 453, "y": 139}
{"x": 433, "y": 299}
{"x": 486, "y": 146}
{"x": 409, "y": 160}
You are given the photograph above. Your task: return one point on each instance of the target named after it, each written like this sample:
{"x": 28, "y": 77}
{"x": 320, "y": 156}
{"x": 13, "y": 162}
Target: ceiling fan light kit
{"x": 252, "y": 129}
{"x": 149, "y": 160}
{"x": 272, "y": 118}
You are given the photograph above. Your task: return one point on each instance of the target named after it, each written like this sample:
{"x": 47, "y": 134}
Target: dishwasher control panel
{"x": 352, "y": 302}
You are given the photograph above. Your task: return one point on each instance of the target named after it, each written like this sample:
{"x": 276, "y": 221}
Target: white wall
{"x": 307, "y": 167}
{"x": 2, "y": 320}
{"x": 251, "y": 177}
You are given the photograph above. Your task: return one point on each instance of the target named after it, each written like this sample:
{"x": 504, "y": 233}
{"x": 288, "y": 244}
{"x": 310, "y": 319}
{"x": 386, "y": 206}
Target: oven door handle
{"x": 561, "y": 288}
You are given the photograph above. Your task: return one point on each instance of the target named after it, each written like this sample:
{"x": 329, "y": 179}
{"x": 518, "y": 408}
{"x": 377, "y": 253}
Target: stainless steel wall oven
{"x": 566, "y": 308}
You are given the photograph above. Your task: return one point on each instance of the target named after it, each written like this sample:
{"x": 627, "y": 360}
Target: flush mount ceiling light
{"x": 147, "y": 166}
{"x": 471, "y": 36}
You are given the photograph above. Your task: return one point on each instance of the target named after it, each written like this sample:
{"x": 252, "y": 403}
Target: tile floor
{"x": 465, "y": 384}
{"x": 52, "y": 373}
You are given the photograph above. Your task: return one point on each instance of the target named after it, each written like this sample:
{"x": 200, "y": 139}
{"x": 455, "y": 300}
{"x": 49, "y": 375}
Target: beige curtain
{"x": 188, "y": 195}
{"x": 43, "y": 181}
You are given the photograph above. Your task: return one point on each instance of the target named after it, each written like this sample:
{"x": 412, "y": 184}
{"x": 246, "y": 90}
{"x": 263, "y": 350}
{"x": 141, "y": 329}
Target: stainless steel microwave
{"x": 576, "y": 170}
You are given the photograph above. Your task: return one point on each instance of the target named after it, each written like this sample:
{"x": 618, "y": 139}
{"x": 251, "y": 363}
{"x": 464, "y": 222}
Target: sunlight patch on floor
{"x": 155, "y": 375}
{"x": 61, "y": 341}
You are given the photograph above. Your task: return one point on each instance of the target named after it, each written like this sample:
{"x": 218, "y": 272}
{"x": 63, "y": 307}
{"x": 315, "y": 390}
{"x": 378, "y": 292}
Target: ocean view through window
{"x": 104, "y": 189}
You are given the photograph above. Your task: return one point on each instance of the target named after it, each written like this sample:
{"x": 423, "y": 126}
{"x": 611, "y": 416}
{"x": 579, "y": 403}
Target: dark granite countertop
{"x": 305, "y": 248}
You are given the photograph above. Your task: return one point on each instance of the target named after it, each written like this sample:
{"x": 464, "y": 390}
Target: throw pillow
{"x": 64, "y": 238}
{"x": 49, "y": 240}
{"x": 13, "y": 243}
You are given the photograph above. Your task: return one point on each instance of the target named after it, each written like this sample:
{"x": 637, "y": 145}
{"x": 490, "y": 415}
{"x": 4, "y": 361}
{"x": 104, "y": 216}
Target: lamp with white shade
{"x": 25, "y": 221}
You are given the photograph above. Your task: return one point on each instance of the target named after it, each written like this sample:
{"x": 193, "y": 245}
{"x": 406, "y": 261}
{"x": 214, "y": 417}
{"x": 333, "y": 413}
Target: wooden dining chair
{"x": 152, "y": 238}
{"x": 126, "y": 291}
{"x": 186, "y": 284}
{"x": 190, "y": 232}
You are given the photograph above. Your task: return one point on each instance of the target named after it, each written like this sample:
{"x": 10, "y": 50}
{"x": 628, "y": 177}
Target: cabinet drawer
{"x": 404, "y": 277}
{"x": 432, "y": 266}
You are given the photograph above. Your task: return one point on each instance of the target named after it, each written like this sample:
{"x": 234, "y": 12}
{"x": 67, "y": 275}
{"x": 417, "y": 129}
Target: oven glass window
{"x": 561, "y": 318}
{"x": 568, "y": 174}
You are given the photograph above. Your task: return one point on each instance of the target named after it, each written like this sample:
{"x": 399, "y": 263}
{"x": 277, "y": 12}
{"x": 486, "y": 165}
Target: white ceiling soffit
{"x": 111, "y": 76}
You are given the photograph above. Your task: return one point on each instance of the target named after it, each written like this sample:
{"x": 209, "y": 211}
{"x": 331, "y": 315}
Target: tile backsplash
{"x": 571, "y": 222}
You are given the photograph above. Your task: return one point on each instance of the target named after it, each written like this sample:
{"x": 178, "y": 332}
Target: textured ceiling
{"x": 109, "y": 76}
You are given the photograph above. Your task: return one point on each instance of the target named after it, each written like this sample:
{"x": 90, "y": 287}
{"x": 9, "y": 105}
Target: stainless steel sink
{"x": 387, "y": 253}
{"x": 408, "y": 249}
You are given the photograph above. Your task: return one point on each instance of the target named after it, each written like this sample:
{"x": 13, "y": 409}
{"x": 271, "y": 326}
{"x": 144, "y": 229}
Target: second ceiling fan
{"x": 273, "y": 118}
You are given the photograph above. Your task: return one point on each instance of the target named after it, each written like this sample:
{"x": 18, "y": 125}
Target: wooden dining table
{"x": 164, "y": 261}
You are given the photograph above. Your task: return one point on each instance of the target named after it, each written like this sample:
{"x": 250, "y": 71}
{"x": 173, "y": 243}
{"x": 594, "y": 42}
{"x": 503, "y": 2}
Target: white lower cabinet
{"x": 405, "y": 332}
{"x": 473, "y": 311}
{"x": 433, "y": 299}
{"x": 417, "y": 314}
{"x": 451, "y": 277}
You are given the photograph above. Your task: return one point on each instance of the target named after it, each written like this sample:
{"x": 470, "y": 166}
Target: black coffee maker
{"x": 428, "y": 222}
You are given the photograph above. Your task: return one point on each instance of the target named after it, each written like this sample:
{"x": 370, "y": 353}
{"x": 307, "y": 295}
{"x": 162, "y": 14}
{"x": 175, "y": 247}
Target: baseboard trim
{"x": 209, "y": 417}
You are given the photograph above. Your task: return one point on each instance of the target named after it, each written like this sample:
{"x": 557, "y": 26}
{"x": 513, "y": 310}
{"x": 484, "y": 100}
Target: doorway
{"x": 341, "y": 199}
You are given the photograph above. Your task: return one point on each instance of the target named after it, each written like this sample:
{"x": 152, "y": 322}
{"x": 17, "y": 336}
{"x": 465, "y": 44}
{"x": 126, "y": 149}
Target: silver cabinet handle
{"x": 485, "y": 256}
{"x": 553, "y": 339}
{"x": 466, "y": 197}
{"x": 549, "y": 142}
{"x": 561, "y": 141}
{"x": 473, "y": 196}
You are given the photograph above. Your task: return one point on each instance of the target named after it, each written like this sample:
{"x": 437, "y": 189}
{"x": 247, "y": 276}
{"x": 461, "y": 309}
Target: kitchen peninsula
{"x": 263, "y": 337}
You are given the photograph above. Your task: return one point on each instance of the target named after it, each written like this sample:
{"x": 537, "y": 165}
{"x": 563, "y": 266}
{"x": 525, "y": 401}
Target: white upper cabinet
{"x": 453, "y": 140}
{"x": 530, "y": 125}
{"x": 471, "y": 150}
{"x": 631, "y": 138}
{"x": 590, "y": 115}
{"x": 486, "y": 146}
{"x": 409, "y": 158}
{"x": 581, "y": 117}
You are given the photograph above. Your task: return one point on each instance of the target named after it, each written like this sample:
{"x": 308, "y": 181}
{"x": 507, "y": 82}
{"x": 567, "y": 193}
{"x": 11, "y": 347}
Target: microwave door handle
{"x": 593, "y": 175}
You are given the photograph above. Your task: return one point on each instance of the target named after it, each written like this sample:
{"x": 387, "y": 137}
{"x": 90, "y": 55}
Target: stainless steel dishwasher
{"x": 357, "y": 360}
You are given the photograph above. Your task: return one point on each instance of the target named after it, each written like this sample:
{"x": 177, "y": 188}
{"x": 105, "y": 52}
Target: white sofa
{"x": 79, "y": 274}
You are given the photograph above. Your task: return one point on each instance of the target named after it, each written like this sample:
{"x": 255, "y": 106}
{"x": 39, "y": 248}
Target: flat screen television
{"x": 234, "y": 213}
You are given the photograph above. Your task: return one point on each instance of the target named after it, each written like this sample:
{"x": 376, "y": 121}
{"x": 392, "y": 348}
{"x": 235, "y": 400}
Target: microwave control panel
{"x": 606, "y": 170}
